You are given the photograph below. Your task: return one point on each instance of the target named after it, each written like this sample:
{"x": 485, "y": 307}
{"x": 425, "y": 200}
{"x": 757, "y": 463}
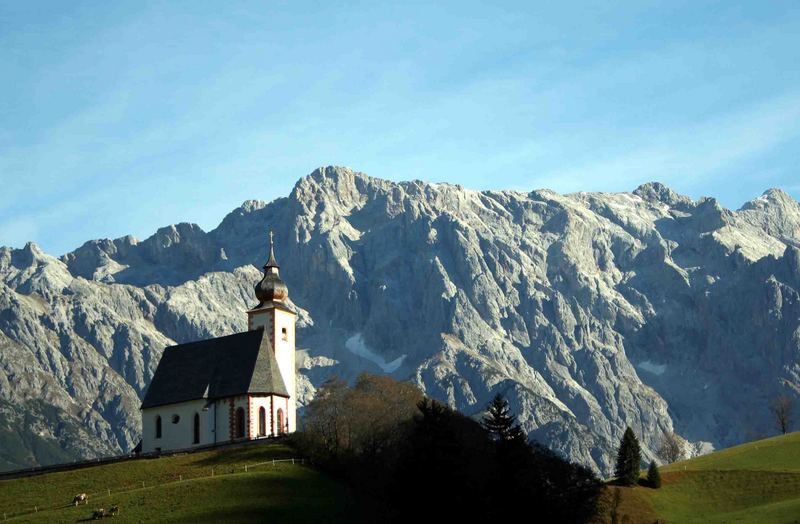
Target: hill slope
{"x": 757, "y": 483}
{"x": 590, "y": 312}
{"x": 182, "y": 489}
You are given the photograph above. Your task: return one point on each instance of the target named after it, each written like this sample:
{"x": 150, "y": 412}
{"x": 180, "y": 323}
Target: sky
{"x": 122, "y": 117}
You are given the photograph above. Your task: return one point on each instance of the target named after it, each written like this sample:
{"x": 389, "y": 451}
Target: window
{"x": 284, "y": 334}
{"x": 176, "y": 419}
{"x": 281, "y": 429}
{"x": 239, "y": 423}
{"x": 262, "y": 422}
{"x": 196, "y": 436}
{"x": 158, "y": 427}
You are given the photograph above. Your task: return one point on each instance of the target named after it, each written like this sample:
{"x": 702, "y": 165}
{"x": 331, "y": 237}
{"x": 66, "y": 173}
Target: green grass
{"x": 758, "y": 482}
{"x": 280, "y": 493}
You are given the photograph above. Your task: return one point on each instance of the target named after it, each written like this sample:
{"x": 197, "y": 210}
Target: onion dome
{"x": 271, "y": 287}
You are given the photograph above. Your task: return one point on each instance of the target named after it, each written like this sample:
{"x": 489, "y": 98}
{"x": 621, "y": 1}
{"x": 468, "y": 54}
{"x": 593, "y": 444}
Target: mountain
{"x": 590, "y": 312}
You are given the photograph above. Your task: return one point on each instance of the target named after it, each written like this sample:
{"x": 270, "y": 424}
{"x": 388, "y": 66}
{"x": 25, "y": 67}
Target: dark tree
{"x": 629, "y": 459}
{"x": 500, "y": 423}
{"x": 653, "y": 476}
{"x": 781, "y": 408}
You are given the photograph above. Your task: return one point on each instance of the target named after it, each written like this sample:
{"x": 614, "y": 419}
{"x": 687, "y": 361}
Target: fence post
{"x": 245, "y": 468}
{"x": 212, "y": 472}
{"x": 36, "y": 509}
{"x": 273, "y": 463}
{"x": 180, "y": 478}
{"x": 142, "y": 484}
{"x": 109, "y": 492}
{"x": 292, "y": 460}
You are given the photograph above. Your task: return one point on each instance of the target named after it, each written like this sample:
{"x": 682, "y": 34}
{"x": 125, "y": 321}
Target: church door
{"x": 262, "y": 422}
{"x": 281, "y": 429}
{"x": 239, "y": 423}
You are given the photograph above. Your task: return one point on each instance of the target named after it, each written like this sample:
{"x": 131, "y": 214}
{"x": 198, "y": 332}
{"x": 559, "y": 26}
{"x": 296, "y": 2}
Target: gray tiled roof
{"x": 216, "y": 368}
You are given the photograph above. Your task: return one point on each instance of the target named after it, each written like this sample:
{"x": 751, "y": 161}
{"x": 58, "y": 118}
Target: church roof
{"x": 216, "y": 368}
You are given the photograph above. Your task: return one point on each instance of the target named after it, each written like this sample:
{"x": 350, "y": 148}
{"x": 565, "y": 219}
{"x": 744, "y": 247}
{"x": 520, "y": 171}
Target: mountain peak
{"x": 658, "y": 192}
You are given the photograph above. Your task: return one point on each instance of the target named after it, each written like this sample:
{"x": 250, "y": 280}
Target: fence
{"x": 89, "y": 463}
{"x": 106, "y": 494}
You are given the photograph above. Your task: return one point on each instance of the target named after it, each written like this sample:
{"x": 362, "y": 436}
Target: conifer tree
{"x": 653, "y": 476}
{"x": 629, "y": 459}
{"x": 500, "y": 423}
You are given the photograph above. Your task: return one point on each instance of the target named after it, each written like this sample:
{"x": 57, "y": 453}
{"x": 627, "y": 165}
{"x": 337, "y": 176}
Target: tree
{"x": 629, "y": 459}
{"x": 500, "y": 423}
{"x": 781, "y": 408}
{"x": 653, "y": 476}
{"x": 672, "y": 448}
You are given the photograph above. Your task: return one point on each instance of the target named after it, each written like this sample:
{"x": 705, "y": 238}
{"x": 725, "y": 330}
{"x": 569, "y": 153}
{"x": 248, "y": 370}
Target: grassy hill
{"x": 758, "y": 482}
{"x": 182, "y": 489}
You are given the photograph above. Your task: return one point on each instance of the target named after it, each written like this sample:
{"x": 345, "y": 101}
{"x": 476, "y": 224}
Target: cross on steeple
{"x": 271, "y": 262}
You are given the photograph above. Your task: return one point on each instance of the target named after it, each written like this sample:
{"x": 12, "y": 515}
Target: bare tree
{"x": 672, "y": 448}
{"x": 781, "y": 408}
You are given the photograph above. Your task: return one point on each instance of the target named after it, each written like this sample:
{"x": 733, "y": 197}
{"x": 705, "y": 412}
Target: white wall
{"x": 285, "y": 355}
{"x": 181, "y": 435}
{"x": 176, "y": 435}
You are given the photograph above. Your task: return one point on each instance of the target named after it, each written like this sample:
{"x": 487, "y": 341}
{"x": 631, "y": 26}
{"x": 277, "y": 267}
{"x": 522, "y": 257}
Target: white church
{"x": 231, "y": 388}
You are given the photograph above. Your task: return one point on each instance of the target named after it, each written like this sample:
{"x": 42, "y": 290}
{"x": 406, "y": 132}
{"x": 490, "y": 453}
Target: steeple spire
{"x": 271, "y": 288}
{"x": 271, "y": 262}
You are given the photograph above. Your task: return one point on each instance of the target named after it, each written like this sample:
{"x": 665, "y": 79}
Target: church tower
{"x": 276, "y": 316}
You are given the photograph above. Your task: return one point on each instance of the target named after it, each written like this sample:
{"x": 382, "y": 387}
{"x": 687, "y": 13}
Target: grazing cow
{"x": 114, "y": 511}
{"x": 98, "y": 514}
{"x": 80, "y": 497}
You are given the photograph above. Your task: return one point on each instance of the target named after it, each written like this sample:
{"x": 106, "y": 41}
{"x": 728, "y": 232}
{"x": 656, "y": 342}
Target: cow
{"x": 80, "y": 497}
{"x": 114, "y": 511}
{"x": 98, "y": 514}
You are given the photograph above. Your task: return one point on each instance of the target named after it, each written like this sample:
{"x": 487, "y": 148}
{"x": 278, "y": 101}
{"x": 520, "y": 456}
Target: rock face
{"x": 590, "y": 312}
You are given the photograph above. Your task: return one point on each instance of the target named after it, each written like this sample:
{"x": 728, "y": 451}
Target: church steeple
{"x": 271, "y": 288}
{"x": 271, "y": 262}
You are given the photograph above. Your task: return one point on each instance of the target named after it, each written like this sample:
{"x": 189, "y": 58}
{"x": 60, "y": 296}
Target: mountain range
{"x": 590, "y": 312}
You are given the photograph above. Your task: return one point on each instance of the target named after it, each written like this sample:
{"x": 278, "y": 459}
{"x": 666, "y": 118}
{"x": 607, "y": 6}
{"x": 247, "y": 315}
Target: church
{"x": 232, "y": 388}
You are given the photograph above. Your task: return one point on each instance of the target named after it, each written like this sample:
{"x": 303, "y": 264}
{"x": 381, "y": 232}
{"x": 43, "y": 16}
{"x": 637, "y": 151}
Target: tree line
{"x": 405, "y": 456}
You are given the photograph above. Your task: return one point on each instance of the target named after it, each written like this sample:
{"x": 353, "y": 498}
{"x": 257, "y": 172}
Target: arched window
{"x": 158, "y": 426}
{"x": 284, "y": 334}
{"x": 281, "y": 428}
{"x": 239, "y": 423}
{"x": 196, "y": 437}
{"x": 262, "y": 422}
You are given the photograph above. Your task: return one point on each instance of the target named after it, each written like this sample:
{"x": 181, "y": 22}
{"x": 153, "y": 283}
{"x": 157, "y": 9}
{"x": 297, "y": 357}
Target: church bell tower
{"x": 277, "y": 317}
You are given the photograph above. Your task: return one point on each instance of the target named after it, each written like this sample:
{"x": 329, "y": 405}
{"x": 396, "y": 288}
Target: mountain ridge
{"x": 580, "y": 307}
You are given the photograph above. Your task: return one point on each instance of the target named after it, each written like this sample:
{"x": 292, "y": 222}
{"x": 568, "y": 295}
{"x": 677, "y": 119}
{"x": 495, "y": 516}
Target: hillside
{"x": 757, "y": 483}
{"x": 590, "y": 312}
{"x": 182, "y": 489}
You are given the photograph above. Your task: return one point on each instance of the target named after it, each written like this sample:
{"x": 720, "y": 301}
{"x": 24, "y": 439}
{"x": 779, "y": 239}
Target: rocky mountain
{"x": 590, "y": 311}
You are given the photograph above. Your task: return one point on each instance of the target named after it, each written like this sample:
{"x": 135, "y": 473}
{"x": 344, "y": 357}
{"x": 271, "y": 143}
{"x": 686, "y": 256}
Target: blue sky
{"x": 120, "y": 117}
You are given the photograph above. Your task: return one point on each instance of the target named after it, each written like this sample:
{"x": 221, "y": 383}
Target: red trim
{"x": 249, "y": 417}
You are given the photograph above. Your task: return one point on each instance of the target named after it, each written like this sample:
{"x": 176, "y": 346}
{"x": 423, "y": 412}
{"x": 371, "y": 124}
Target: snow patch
{"x": 356, "y": 345}
{"x": 652, "y": 367}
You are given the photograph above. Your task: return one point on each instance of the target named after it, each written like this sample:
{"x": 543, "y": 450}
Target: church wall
{"x": 284, "y": 344}
{"x": 270, "y": 403}
{"x": 180, "y": 434}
